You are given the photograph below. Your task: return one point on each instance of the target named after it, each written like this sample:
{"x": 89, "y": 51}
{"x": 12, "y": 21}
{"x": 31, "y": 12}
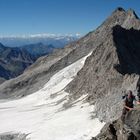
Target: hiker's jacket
{"x": 129, "y": 101}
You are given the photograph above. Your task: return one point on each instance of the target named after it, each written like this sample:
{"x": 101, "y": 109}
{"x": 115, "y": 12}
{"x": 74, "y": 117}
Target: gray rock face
{"x": 7, "y": 136}
{"x": 118, "y": 130}
{"x": 132, "y": 120}
{"x": 113, "y": 66}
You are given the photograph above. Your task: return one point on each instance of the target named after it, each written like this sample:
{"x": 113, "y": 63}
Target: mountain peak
{"x": 131, "y": 12}
{"x": 120, "y": 9}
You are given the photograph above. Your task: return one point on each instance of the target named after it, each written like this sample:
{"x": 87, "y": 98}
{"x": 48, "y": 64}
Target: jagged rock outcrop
{"x": 118, "y": 130}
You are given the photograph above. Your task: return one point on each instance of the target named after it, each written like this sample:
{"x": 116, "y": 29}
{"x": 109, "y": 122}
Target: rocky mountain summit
{"x": 111, "y": 68}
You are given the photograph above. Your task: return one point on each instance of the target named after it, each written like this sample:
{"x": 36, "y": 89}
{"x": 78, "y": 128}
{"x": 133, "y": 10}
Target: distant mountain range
{"x": 38, "y": 49}
{"x": 14, "y": 60}
{"x": 58, "y": 41}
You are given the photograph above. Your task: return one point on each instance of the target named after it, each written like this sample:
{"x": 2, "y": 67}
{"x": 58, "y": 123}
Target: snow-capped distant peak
{"x": 41, "y": 35}
{"x": 57, "y": 40}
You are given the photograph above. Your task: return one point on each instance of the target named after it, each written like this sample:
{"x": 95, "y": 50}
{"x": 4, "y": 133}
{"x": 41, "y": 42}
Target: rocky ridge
{"x": 113, "y": 67}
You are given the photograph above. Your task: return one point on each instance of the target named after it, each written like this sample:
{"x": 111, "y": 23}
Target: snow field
{"x": 41, "y": 115}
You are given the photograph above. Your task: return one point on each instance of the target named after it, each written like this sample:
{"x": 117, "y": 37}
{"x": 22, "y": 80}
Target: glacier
{"x": 42, "y": 116}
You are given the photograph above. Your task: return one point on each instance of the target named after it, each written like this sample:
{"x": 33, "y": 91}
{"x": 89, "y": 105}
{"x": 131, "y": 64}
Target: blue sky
{"x": 18, "y": 17}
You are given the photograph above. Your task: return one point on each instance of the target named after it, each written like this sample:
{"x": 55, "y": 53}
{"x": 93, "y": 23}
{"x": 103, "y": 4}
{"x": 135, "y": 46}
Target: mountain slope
{"x": 112, "y": 69}
{"x": 38, "y": 49}
{"x": 13, "y": 61}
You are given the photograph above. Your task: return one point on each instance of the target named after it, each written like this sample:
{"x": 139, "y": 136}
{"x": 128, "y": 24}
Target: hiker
{"x": 129, "y": 99}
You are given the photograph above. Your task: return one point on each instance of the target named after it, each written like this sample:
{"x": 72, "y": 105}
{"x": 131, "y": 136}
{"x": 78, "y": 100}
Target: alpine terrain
{"x": 13, "y": 61}
{"x": 75, "y": 93}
